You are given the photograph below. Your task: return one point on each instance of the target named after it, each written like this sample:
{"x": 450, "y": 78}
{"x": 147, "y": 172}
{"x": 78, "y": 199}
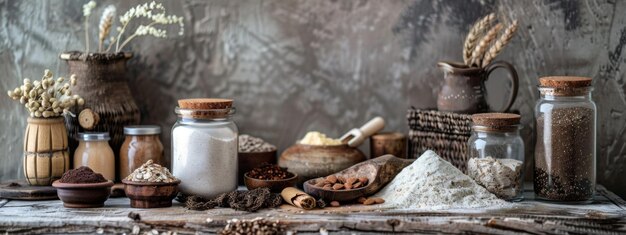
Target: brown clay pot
{"x": 46, "y": 156}
{"x": 464, "y": 91}
{"x": 103, "y": 83}
{"x": 149, "y": 194}
{"x": 312, "y": 161}
{"x": 249, "y": 161}
{"x": 87, "y": 195}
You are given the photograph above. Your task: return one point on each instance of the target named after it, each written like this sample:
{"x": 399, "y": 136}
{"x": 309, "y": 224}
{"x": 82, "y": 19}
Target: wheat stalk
{"x": 475, "y": 32}
{"x": 105, "y": 25}
{"x": 497, "y": 47}
{"x": 481, "y": 47}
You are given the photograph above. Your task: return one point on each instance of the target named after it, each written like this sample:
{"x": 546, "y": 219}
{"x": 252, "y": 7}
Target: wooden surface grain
{"x": 606, "y": 215}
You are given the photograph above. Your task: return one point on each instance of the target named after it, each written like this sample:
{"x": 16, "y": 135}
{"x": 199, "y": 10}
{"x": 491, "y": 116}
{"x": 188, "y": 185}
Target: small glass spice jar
{"x": 565, "y": 151}
{"x": 94, "y": 152}
{"x": 204, "y": 147}
{"x": 141, "y": 144}
{"x": 496, "y": 152}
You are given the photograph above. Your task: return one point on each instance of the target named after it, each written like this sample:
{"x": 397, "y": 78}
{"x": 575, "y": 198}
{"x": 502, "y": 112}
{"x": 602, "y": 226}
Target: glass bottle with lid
{"x": 141, "y": 144}
{"x": 94, "y": 152}
{"x": 565, "y": 151}
{"x": 496, "y": 152}
{"x": 204, "y": 147}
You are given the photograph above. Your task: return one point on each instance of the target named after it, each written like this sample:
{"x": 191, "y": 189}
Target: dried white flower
{"x": 88, "y": 7}
{"x": 106, "y": 22}
{"x": 153, "y": 11}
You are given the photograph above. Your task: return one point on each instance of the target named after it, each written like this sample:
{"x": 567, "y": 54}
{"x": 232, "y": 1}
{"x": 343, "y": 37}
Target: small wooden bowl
{"x": 334, "y": 195}
{"x": 275, "y": 186}
{"x": 312, "y": 161}
{"x": 250, "y": 160}
{"x": 88, "y": 195}
{"x": 150, "y": 194}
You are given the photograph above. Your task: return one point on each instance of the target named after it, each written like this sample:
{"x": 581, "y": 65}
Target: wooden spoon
{"x": 379, "y": 171}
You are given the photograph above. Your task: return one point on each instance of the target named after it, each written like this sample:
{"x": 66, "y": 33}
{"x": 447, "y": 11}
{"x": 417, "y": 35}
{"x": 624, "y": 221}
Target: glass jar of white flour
{"x": 204, "y": 147}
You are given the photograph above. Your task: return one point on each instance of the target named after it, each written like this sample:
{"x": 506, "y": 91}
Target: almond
{"x": 320, "y": 183}
{"x": 327, "y": 187}
{"x": 351, "y": 180}
{"x": 347, "y": 186}
{"x": 379, "y": 200}
{"x": 335, "y": 204}
{"x": 361, "y": 199}
{"x": 369, "y": 201}
{"x": 363, "y": 180}
{"x": 341, "y": 179}
{"x": 337, "y": 186}
{"x": 357, "y": 185}
{"x": 331, "y": 179}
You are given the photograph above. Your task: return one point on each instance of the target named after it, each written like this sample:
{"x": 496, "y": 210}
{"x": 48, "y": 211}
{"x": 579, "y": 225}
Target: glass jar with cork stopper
{"x": 204, "y": 147}
{"x": 496, "y": 152}
{"x": 565, "y": 151}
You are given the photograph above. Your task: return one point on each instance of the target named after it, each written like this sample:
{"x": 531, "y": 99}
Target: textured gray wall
{"x": 295, "y": 66}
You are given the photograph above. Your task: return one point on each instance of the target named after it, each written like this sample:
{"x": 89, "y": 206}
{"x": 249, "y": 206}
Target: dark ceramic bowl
{"x": 248, "y": 161}
{"x": 149, "y": 194}
{"x": 87, "y": 195}
{"x": 333, "y": 195}
{"x": 276, "y": 186}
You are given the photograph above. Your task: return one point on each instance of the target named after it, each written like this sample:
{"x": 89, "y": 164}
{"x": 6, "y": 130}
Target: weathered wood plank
{"x": 605, "y": 216}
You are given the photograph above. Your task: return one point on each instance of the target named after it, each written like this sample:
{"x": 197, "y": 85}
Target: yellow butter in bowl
{"x": 317, "y": 138}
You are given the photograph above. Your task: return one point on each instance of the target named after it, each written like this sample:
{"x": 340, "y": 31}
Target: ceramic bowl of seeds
{"x": 337, "y": 187}
{"x": 270, "y": 176}
{"x": 151, "y": 186}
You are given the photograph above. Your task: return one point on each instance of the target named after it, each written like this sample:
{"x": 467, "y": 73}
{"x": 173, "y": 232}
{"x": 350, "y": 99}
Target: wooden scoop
{"x": 379, "y": 171}
{"x": 355, "y": 137}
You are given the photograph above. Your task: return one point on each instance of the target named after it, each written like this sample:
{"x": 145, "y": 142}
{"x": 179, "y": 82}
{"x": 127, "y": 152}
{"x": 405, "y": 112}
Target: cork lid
{"x": 564, "y": 82}
{"x": 205, "y": 103}
{"x": 205, "y": 108}
{"x": 496, "y": 120}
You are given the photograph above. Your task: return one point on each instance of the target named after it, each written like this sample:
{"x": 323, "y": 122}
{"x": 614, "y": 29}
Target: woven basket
{"x": 445, "y": 133}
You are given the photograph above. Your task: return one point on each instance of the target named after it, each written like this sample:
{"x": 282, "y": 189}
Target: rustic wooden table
{"x": 606, "y": 215}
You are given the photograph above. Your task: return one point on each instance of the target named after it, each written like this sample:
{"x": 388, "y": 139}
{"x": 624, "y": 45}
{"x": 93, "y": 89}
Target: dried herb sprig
{"x": 106, "y": 22}
{"x": 497, "y": 47}
{"x": 480, "y": 46}
{"x": 485, "y": 42}
{"x": 479, "y": 28}
{"x": 48, "y": 97}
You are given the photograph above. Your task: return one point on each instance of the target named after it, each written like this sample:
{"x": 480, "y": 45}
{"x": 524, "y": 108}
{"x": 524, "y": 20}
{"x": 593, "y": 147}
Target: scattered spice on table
{"x": 270, "y": 172}
{"x": 151, "y": 172}
{"x": 251, "y": 144}
{"x": 250, "y": 201}
{"x": 82, "y": 175}
{"x": 255, "y": 226}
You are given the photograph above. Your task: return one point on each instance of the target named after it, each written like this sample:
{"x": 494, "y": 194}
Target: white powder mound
{"x": 433, "y": 183}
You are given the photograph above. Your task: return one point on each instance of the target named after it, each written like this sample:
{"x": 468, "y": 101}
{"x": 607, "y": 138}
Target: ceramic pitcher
{"x": 464, "y": 90}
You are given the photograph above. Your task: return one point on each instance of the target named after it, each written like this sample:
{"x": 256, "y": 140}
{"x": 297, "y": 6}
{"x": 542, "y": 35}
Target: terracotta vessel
{"x": 103, "y": 83}
{"x": 46, "y": 156}
{"x": 393, "y": 143}
{"x": 312, "y": 161}
{"x": 248, "y": 161}
{"x": 276, "y": 186}
{"x": 464, "y": 90}
{"x": 88, "y": 195}
{"x": 150, "y": 194}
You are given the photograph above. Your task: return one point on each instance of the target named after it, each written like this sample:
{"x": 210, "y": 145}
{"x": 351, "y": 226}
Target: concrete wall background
{"x": 295, "y": 66}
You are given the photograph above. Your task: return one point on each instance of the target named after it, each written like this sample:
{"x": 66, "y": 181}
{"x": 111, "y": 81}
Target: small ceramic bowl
{"x": 275, "y": 186}
{"x": 87, "y": 195}
{"x": 149, "y": 194}
{"x": 248, "y": 161}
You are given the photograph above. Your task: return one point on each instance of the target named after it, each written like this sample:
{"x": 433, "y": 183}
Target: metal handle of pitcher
{"x": 514, "y": 79}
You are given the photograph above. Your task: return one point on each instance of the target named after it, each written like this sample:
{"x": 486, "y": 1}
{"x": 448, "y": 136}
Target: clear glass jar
{"x": 94, "y": 151}
{"x": 142, "y": 143}
{"x": 496, "y": 152}
{"x": 565, "y": 151}
{"x": 204, "y": 148}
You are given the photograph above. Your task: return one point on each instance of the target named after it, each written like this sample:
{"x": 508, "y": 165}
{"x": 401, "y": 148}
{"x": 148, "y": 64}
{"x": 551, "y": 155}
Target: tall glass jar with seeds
{"x": 496, "y": 152}
{"x": 565, "y": 151}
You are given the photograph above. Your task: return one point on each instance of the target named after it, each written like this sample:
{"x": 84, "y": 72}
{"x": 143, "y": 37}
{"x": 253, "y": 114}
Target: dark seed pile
{"x": 254, "y": 226}
{"x": 251, "y": 201}
{"x": 270, "y": 172}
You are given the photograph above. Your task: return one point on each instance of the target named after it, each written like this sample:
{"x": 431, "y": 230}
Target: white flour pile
{"x": 433, "y": 183}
